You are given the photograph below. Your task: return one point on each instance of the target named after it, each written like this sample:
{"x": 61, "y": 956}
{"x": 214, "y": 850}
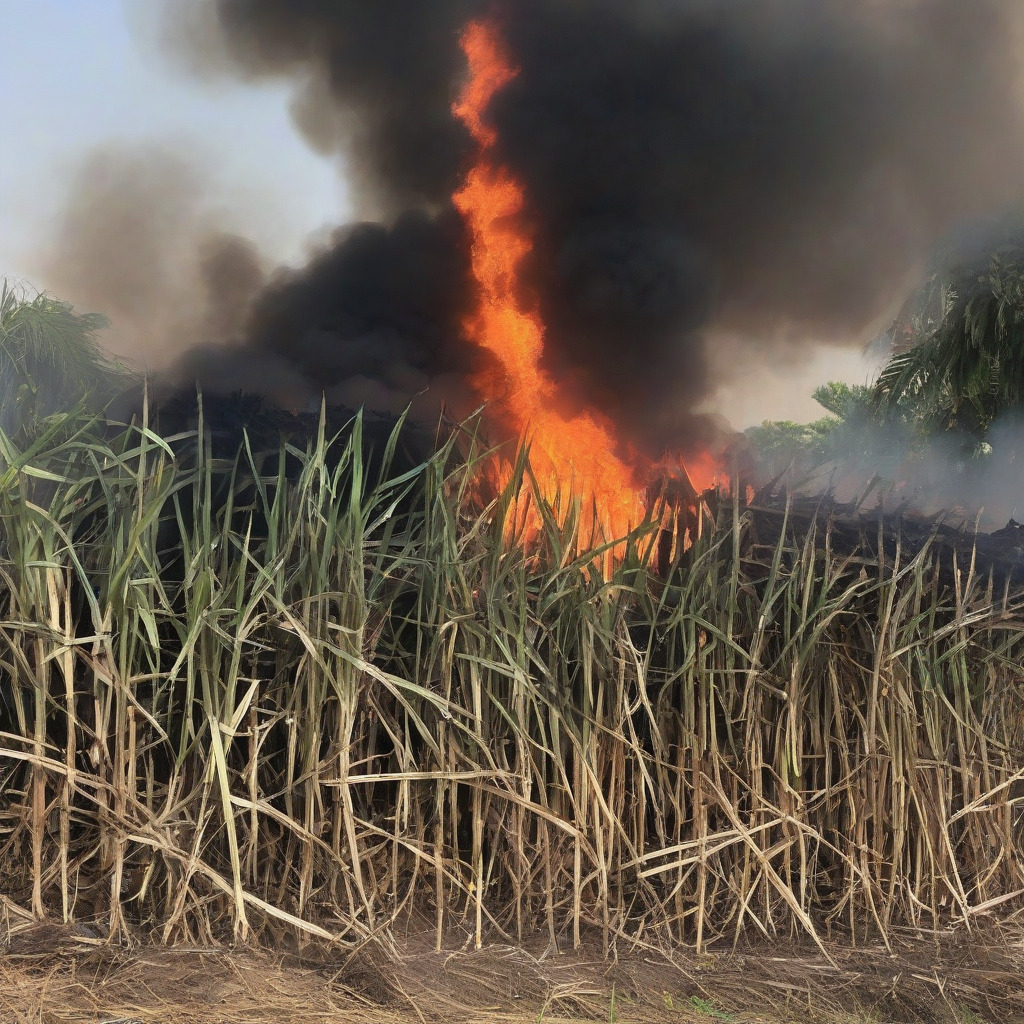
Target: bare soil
{"x": 49, "y": 974}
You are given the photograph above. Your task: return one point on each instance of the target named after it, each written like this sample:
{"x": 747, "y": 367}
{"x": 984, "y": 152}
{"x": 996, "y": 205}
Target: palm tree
{"x": 959, "y": 348}
{"x": 49, "y": 359}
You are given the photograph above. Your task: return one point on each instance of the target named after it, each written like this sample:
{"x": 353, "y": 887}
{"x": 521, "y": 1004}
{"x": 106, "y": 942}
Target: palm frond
{"x": 959, "y": 361}
{"x": 49, "y": 358}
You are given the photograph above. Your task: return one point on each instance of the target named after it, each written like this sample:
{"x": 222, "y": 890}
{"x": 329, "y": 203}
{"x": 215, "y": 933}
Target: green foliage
{"x": 780, "y": 443}
{"x": 967, "y": 1016}
{"x": 848, "y": 434}
{"x": 708, "y": 1009}
{"x": 851, "y": 403}
{"x": 49, "y": 359}
{"x": 961, "y": 363}
{"x": 958, "y": 367}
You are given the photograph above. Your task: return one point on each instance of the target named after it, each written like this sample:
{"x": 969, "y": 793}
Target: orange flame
{"x": 702, "y": 470}
{"x": 577, "y": 457}
{"x": 577, "y": 454}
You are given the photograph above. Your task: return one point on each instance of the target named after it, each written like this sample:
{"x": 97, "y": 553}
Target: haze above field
{"x": 81, "y": 75}
{"x": 88, "y": 79}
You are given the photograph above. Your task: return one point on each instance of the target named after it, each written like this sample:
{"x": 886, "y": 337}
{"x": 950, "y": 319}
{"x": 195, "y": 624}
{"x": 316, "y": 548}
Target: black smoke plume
{"x": 767, "y": 168}
{"x": 372, "y": 319}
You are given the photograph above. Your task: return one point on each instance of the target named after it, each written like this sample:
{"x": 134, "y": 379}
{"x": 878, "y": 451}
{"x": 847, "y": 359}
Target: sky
{"x": 77, "y": 74}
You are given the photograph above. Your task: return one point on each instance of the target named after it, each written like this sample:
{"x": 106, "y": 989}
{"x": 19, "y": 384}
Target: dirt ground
{"x": 50, "y": 975}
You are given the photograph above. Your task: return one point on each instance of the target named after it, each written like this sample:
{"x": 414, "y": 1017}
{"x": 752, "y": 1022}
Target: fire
{"x": 702, "y": 470}
{"x": 578, "y": 455}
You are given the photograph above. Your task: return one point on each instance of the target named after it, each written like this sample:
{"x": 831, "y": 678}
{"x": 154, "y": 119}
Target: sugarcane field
{"x": 509, "y": 512}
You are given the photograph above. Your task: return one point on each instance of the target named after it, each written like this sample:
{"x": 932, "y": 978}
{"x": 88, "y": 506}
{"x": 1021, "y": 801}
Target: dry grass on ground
{"x": 50, "y": 976}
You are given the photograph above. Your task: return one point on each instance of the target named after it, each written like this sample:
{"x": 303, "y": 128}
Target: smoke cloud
{"x": 373, "y": 318}
{"x": 140, "y": 241}
{"x": 693, "y": 168}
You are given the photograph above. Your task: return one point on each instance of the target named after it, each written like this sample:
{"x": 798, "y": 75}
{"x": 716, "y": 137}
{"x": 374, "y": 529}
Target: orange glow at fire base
{"x": 578, "y": 454}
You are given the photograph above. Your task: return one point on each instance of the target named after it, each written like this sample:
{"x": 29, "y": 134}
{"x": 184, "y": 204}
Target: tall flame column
{"x": 576, "y": 455}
